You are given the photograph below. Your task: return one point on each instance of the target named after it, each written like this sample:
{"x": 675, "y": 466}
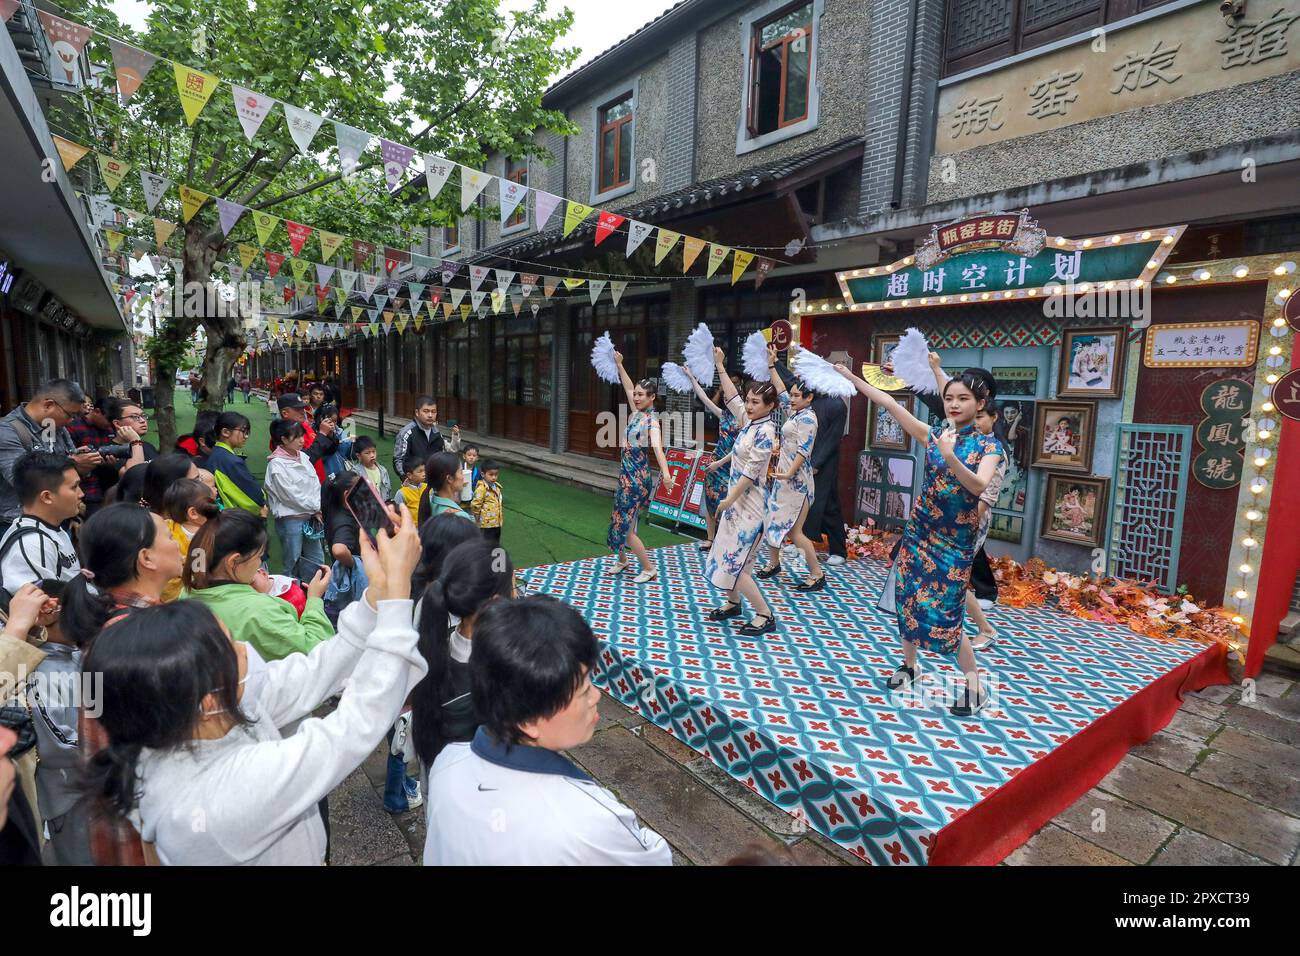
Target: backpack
{"x": 19, "y": 533}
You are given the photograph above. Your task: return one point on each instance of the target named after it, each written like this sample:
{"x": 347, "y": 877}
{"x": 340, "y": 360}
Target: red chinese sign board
{"x": 782, "y": 334}
{"x": 679, "y": 463}
{"x": 1291, "y": 311}
{"x": 1286, "y": 394}
{"x": 987, "y": 228}
{"x": 694, "y": 503}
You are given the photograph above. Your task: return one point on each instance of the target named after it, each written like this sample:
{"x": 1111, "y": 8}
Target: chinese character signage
{"x": 1226, "y": 404}
{"x": 1286, "y": 395}
{"x": 1202, "y": 345}
{"x": 1005, "y": 256}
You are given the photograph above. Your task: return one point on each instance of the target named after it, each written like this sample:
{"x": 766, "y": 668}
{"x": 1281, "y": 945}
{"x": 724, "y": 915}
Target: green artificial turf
{"x": 545, "y": 522}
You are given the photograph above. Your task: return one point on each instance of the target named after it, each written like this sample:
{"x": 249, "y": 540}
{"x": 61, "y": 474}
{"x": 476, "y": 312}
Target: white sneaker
{"x": 834, "y": 559}
{"x": 414, "y": 797}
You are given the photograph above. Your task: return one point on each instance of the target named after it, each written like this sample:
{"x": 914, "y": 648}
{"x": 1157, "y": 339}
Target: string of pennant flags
{"x": 195, "y": 89}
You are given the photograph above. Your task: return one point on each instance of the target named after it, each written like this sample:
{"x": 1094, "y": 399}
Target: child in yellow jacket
{"x": 486, "y": 506}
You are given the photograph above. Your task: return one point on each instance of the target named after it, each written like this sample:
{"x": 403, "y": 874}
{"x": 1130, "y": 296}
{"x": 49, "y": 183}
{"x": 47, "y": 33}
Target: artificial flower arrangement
{"x": 868, "y": 541}
{"x": 1139, "y": 607}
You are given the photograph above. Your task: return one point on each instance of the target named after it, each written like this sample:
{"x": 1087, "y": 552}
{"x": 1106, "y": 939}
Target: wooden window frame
{"x": 603, "y": 126}
{"x": 755, "y": 53}
{"x": 518, "y": 175}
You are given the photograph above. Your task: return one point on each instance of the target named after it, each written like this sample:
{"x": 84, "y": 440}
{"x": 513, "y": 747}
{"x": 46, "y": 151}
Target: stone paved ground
{"x": 1219, "y": 785}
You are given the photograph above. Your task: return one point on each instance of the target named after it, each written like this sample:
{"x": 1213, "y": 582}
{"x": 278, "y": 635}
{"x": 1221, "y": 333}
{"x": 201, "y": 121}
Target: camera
{"x": 117, "y": 451}
{"x": 1232, "y": 10}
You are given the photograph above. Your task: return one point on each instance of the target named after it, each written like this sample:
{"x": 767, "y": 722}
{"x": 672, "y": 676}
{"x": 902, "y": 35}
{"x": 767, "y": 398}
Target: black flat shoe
{"x": 904, "y": 677}
{"x": 964, "y": 706}
{"x": 818, "y": 585}
{"x": 768, "y": 572}
{"x": 749, "y": 630}
{"x": 727, "y": 610}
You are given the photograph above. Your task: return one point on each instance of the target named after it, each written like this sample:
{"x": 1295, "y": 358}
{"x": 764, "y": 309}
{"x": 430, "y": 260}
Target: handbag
{"x": 16, "y": 717}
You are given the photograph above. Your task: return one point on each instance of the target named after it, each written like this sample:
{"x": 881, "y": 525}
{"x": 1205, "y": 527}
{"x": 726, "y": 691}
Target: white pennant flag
{"x": 236, "y": 271}
{"x": 472, "y": 182}
{"x": 251, "y": 108}
{"x": 154, "y": 187}
{"x": 323, "y": 273}
{"x": 616, "y": 290}
{"x": 504, "y": 278}
{"x": 636, "y": 234}
{"x": 457, "y": 297}
{"x": 595, "y": 287}
{"x": 436, "y": 173}
{"x": 476, "y": 300}
{"x": 302, "y": 125}
{"x": 512, "y": 194}
{"x": 352, "y": 142}
{"x": 476, "y": 276}
{"x": 546, "y": 203}
{"x": 527, "y": 283}
{"x": 347, "y": 278}
{"x": 369, "y": 282}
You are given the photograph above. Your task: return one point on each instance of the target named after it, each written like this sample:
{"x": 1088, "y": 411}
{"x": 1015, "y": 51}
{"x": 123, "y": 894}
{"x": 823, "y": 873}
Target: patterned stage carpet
{"x": 803, "y": 717}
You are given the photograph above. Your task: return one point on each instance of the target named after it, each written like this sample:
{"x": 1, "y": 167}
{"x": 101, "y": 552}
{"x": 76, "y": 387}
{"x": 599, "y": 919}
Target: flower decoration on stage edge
{"x": 911, "y": 361}
{"x": 602, "y": 360}
{"x": 866, "y": 540}
{"x": 754, "y": 357}
{"x": 698, "y": 353}
{"x": 820, "y": 375}
{"x": 1132, "y": 604}
{"x": 674, "y": 377}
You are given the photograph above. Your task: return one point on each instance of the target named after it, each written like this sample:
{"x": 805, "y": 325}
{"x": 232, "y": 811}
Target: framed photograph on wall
{"x": 882, "y": 348}
{"x": 884, "y": 431}
{"x": 1092, "y": 363}
{"x": 1064, "y": 434}
{"x": 1075, "y": 509}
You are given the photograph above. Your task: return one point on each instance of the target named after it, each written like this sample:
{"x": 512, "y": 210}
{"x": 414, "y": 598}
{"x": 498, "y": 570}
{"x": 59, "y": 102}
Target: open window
{"x": 780, "y": 70}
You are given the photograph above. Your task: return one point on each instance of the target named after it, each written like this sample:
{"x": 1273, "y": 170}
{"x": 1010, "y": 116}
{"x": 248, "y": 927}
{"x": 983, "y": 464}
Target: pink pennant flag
{"x": 546, "y": 204}
{"x": 228, "y": 214}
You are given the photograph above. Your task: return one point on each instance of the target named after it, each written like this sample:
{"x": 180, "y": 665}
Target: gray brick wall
{"x": 679, "y": 131}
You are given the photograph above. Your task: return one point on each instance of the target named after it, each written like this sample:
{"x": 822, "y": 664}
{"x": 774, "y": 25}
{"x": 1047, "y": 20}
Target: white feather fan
{"x": 674, "y": 377}
{"x": 602, "y": 360}
{"x": 754, "y": 357}
{"x": 698, "y": 353}
{"x": 911, "y": 360}
{"x": 820, "y": 375}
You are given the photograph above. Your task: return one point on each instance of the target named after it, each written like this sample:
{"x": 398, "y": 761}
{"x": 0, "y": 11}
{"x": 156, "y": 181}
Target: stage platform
{"x": 802, "y": 717}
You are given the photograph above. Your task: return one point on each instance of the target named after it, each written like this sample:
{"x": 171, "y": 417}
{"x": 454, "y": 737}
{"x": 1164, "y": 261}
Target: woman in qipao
{"x": 791, "y": 491}
{"x": 743, "y": 512}
{"x": 715, "y": 478}
{"x": 634, "y": 482}
{"x": 939, "y": 541}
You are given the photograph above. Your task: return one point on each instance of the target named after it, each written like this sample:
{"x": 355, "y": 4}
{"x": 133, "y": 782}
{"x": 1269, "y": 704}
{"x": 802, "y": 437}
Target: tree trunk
{"x": 176, "y": 331}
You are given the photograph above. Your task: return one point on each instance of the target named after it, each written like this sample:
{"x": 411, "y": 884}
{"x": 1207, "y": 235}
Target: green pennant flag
{"x": 300, "y": 268}
{"x": 265, "y": 224}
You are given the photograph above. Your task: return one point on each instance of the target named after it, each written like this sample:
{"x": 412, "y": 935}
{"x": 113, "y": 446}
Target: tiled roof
{"x": 681, "y": 201}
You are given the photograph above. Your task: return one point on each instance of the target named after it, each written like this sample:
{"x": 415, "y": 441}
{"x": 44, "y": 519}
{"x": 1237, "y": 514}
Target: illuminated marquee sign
{"x": 969, "y": 261}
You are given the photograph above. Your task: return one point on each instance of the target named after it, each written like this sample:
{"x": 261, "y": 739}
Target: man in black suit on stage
{"x": 824, "y": 516}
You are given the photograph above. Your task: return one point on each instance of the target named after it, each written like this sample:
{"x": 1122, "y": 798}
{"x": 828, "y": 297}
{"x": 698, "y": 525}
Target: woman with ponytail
{"x": 127, "y": 558}
{"x": 438, "y": 537}
{"x": 161, "y": 473}
{"x": 198, "y": 763}
{"x": 444, "y": 475}
{"x": 473, "y": 575}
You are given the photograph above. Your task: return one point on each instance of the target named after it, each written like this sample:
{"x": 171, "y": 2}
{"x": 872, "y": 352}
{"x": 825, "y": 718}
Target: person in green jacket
{"x": 224, "y": 560}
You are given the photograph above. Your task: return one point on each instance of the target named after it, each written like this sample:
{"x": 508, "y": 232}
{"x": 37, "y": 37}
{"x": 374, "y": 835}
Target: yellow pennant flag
{"x": 195, "y": 89}
{"x": 302, "y": 326}
{"x": 572, "y": 284}
{"x": 69, "y": 152}
{"x": 265, "y": 224}
{"x": 739, "y": 264}
{"x": 717, "y": 256}
{"x": 446, "y": 311}
{"x": 691, "y": 250}
{"x": 340, "y": 296}
{"x": 329, "y": 244}
{"x": 498, "y": 300}
{"x": 114, "y": 239}
{"x": 419, "y": 320}
{"x": 247, "y": 254}
{"x": 299, "y": 267}
{"x": 464, "y": 311}
{"x": 401, "y": 325}
{"x": 112, "y": 169}
{"x": 664, "y": 244}
{"x": 574, "y": 213}
{"x": 356, "y": 313}
{"x": 162, "y": 231}
{"x": 191, "y": 201}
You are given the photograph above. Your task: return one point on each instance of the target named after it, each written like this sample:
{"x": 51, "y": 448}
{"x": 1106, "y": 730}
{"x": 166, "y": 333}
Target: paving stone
{"x": 1216, "y": 694}
{"x": 1273, "y": 685}
{"x": 1170, "y": 750}
{"x": 402, "y": 859}
{"x": 1288, "y": 708}
{"x": 807, "y": 853}
{"x": 1203, "y": 708}
{"x": 1189, "y": 848}
{"x": 1128, "y": 830}
{"x": 1188, "y": 725}
{"x": 1276, "y": 757}
{"x": 612, "y": 712}
{"x": 666, "y": 743}
{"x": 668, "y": 799}
{"x": 1206, "y": 808}
{"x": 766, "y": 814}
{"x": 1052, "y": 846}
{"x": 1264, "y": 724}
{"x": 1274, "y": 790}
{"x": 361, "y": 833}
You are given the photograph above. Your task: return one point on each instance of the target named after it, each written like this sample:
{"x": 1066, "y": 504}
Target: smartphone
{"x": 452, "y": 423}
{"x": 363, "y": 501}
{"x": 305, "y": 569}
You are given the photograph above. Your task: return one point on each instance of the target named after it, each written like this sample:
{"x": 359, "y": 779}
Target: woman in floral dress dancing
{"x": 939, "y": 542}
{"x": 634, "y": 483}
{"x": 715, "y": 477}
{"x": 743, "y": 512}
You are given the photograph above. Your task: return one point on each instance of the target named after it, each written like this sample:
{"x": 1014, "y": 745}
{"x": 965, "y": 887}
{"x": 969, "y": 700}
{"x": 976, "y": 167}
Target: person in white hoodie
{"x": 196, "y": 760}
{"x": 293, "y": 495}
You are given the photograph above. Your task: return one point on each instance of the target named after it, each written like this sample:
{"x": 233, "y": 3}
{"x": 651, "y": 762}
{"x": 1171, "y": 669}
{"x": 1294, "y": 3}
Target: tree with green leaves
{"x": 457, "y": 79}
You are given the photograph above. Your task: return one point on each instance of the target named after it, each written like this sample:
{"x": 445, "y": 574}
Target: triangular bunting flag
{"x": 352, "y": 142}
{"x": 512, "y": 193}
{"x": 574, "y": 213}
{"x": 298, "y": 234}
{"x": 228, "y": 214}
{"x": 616, "y": 290}
{"x": 191, "y": 201}
{"x": 112, "y": 169}
{"x": 401, "y": 325}
{"x": 274, "y": 260}
{"x": 498, "y": 300}
{"x": 464, "y": 312}
{"x": 636, "y": 233}
{"x": 251, "y": 109}
{"x": 154, "y": 187}
{"x": 131, "y": 66}
{"x": 299, "y": 267}
{"x": 265, "y": 225}
{"x": 369, "y": 283}
{"x": 527, "y": 283}
{"x": 114, "y": 239}
{"x": 195, "y": 88}
{"x": 761, "y": 270}
{"x": 549, "y": 284}
{"x": 322, "y": 293}
{"x": 739, "y": 263}
{"x": 436, "y": 173}
{"x": 417, "y": 289}
{"x": 446, "y": 310}
{"x": 356, "y": 312}
{"x": 341, "y": 297}
{"x": 476, "y": 299}
{"x": 303, "y": 125}
{"x": 347, "y": 279}
{"x": 162, "y": 231}
{"x": 361, "y": 252}
{"x": 324, "y": 273}
{"x": 664, "y": 244}
{"x": 717, "y": 255}
{"x": 62, "y": 35}
{"x": 476, "y": 276}
{"x": 595, "y": 288}
{"x": 457, "y": 297}
{"x": 472, "y": 182}
{"x": 572, "y": 284}
{"x": 247, "y": 254}
{"x": 449, "y": 270}
{"x": 691, "y": 249}
{"x": 516, "y": 302}
{"x": 419, "y": 318}
{"x": 70, "y": 153}
{"x": 329, "y": 243}
{"x": 606, "y": 223}
{"x": 396, "y": 158}
{"x": 504, "y": 278}
{"x": 546, "y": 203}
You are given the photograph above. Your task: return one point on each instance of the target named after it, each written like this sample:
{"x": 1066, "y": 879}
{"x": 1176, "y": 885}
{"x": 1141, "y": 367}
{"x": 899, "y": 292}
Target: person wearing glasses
{"x": 131, "y": 422}
{"x": 235, "y": 483}
{"x": 40, "y": 425}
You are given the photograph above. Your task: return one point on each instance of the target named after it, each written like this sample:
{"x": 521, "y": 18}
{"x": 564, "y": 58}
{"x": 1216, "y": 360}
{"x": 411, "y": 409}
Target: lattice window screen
{"x": 1150, "y": 493}
{"x": 977, "y": 23}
